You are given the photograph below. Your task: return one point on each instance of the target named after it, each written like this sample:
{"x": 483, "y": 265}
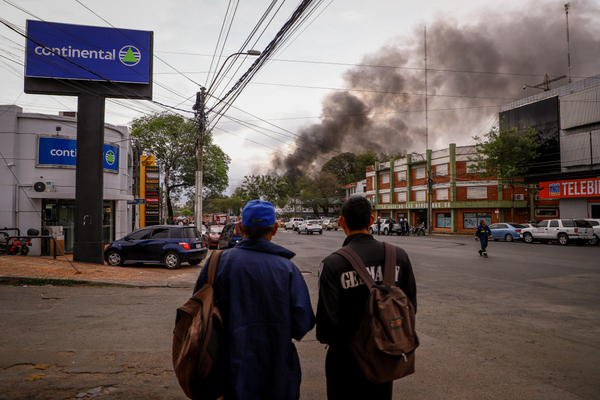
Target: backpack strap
{"x": 212, "y": 266}
{"x": 389, "y": 270}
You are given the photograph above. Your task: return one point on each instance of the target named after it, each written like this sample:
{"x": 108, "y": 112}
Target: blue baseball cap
{"x": 258, "y": 213}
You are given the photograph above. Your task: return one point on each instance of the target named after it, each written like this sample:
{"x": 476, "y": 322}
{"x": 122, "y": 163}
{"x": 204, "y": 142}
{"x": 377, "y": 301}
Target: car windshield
{"x": 216, "y": 229}
{"x": 313, "y": 222}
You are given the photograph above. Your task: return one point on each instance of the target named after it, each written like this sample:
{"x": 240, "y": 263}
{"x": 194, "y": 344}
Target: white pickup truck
{"x": 562, "y": 230}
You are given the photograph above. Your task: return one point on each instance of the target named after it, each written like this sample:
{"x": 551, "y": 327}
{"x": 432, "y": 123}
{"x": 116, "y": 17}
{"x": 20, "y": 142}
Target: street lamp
{"x": 200, "y": 110}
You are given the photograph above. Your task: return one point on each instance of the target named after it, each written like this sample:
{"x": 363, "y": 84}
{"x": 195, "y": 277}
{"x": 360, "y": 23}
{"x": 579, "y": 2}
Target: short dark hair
{"x": 356, "y": 211}
{"x": 257, "y": 232}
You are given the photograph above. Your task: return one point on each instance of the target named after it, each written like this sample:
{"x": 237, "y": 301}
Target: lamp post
{"x": 200, "y": 115}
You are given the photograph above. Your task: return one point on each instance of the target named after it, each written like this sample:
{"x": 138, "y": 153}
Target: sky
{"x": 350, "y": 78}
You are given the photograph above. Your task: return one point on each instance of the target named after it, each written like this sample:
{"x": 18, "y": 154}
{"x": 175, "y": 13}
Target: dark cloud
{"x": 474, "y": 67}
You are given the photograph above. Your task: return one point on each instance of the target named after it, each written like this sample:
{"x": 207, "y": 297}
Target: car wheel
{"x": 563, "y": 239}
{"x": 320, "y": 232}
{"x": 172, "y": 260}
{"x": 508, "y": 237}
{"x": 594, "y": 241}
{"x": 336, "y": 229}
{"x": 194, "y": 262}
{"x": 385, "y": 231}
{"x": 527, "y": 238}
{"x": 114, "y": 259}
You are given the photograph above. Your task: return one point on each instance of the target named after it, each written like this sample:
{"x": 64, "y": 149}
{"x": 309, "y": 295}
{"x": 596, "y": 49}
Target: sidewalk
{"x": 15, "y": 267}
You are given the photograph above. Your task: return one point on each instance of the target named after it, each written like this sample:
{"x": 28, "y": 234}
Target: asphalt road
{"x": 523, "y": 323}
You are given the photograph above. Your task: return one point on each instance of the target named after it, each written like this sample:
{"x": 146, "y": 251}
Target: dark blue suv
{"x": 160, "y": 244}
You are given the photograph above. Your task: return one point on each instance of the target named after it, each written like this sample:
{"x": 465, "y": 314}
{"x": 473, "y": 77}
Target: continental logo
{"x": 128, "y": 55}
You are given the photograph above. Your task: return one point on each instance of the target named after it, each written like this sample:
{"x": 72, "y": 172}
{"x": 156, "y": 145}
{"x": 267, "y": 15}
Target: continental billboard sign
{"x": 568, "y": 189}
{"x": 91, "y": 53}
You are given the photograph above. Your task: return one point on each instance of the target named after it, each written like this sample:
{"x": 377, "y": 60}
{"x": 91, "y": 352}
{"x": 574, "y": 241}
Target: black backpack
{"x": 385, "y": 343}
{"x": 197, "y": 340}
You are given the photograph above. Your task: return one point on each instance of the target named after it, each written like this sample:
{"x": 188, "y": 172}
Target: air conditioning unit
{"x": 43, "y": 186}
{"x": 519, "y": 197}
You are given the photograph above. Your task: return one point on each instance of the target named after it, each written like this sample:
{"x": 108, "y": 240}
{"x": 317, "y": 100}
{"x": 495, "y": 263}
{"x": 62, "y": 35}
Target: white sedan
{"x": 310, "y": 226}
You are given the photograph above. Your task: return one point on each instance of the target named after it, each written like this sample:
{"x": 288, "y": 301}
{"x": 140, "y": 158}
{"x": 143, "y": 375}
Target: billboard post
{"x": 93, "y": 63}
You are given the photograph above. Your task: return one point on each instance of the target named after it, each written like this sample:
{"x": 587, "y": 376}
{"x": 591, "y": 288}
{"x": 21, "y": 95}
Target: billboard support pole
{"x": 89, "y": 245}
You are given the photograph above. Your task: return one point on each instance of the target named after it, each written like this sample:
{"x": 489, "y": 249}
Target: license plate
{"x": 198, "y": 245}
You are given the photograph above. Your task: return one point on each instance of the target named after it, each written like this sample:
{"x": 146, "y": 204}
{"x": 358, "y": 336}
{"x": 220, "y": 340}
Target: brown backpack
{"x": 385, "y": 343}
{"x": 197, "y": 340}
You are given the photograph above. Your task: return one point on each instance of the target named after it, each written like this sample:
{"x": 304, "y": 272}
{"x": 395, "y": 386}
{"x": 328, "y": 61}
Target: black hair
{"x": 356, "y": 211}
{"x": 257, "y": 232}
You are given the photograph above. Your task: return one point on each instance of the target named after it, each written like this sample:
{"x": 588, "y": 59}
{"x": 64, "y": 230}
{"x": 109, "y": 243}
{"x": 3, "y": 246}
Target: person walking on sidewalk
{"x": 483, "y": 234}
{"x": 265, "y": 303}
{"x": 343, "y": 298}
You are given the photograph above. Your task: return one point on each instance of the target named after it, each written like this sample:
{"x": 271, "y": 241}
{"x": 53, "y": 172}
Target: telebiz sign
{"x": 570, "y": 189}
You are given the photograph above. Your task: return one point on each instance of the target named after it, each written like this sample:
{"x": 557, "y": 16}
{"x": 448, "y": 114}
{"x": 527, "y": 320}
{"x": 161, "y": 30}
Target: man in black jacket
{"x": 343, "y": 297}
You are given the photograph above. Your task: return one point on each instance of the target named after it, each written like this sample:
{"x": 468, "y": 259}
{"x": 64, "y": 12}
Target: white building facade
{"x": 37, "y": 176}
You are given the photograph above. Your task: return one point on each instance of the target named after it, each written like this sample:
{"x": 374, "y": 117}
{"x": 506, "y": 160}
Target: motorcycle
{"x": 19, "y": 247}
{"x": 418, "y": 230}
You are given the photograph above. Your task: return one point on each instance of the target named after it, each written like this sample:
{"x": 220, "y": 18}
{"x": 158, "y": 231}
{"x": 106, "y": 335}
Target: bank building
{"x": 37, "y": 176}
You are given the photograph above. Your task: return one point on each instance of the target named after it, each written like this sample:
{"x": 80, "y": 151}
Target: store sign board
{"x": 573, "y": 188}
{"x": 62, "y": 152}
{"x": 90, "y": 53}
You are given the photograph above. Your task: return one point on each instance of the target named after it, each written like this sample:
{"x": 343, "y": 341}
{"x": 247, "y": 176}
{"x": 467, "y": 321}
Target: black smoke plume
{"x": 474, "y": 67}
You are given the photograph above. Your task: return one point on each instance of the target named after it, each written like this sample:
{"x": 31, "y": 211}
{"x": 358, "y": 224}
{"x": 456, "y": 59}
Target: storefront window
{"x": 471, "y": 220}
{"x": 444, "y": 220}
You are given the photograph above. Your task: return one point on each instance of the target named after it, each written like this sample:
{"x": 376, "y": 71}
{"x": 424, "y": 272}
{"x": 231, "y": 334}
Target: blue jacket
{"x": 264, "y": 303}
{"x": 483, "y": 232}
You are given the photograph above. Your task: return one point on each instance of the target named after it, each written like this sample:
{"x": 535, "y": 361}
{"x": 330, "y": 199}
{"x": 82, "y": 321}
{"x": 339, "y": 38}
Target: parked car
{"x": 596, "y": 226}
{"x": 508, "y": 231}
{"x": 280, "y": 223}
{"x": 310, "y": 226}
{"x": 230, "y": 236}
{"x": 330, "y": 223}
{"x": 386, "y": 225}
{"x": 213, "y": 235}
{"x": 161, "y": 244}
{"x": 562, "y": 230}
{"x": 293, "y": 223}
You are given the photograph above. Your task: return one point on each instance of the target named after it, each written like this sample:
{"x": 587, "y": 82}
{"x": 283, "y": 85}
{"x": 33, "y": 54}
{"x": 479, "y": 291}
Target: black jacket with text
{"x": 342, "y": 294}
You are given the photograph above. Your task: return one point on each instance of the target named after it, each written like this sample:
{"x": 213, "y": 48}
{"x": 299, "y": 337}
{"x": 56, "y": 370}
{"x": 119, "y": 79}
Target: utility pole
{"x": 200, "y": 115}
{"x": 568, "y": 50}
{"x": 429, "y": 200}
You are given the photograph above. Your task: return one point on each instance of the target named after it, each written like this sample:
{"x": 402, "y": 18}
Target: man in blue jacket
{"x": 484, "y": 234}
{"x": 264, "y": 303}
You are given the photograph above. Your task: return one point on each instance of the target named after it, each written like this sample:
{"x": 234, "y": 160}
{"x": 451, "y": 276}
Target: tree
{"x": 505, "y": 153}
{"x": 350, "y": 167}
{"x": 321, "y": 189}
{"x": 171, "y": 139}
{"x": 273, "y": 188}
